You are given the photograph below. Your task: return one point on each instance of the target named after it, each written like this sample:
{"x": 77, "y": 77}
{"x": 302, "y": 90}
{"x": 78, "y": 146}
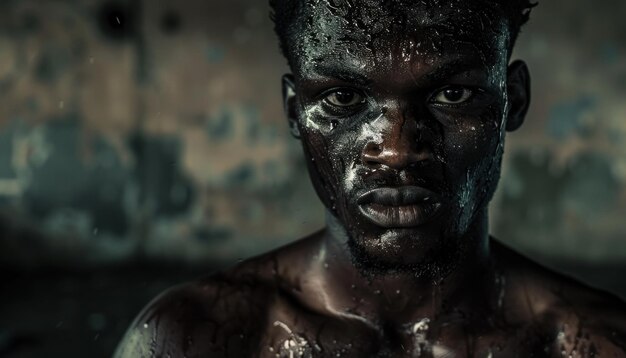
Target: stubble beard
{"x": 436, "y": 262}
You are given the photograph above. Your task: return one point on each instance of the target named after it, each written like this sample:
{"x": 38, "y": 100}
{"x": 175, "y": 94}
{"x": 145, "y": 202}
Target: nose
{"x": 399, "y": 148}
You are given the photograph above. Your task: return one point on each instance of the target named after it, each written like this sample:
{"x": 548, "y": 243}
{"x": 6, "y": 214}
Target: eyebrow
{"x": 449, "y": 68}
{"x": 452, "y": 67}
{"x": 345, "y": 74}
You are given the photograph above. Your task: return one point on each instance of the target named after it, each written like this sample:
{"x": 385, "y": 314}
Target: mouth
{"x": 402, "y": 207}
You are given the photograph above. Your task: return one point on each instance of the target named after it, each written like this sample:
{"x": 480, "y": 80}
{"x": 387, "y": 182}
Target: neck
{"x": 402, "y": 295}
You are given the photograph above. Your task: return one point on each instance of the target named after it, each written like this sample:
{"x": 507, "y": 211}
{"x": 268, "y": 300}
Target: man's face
{"x": 402, "y": 121}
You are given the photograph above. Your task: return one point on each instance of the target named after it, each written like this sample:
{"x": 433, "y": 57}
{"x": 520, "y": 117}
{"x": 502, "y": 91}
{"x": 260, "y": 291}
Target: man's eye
{"x": 453, "y": 95}
{"x": 344, "y": 98}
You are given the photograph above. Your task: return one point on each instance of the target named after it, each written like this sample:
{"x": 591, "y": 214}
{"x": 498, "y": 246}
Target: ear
{"x": 518, "y": 90}
{"x": 289, "y": 104}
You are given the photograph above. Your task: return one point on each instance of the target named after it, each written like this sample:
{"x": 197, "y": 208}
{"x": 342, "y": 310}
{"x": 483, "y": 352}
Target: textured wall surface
{"x": 154, "y": 130}
{"x": 563, "y": 193}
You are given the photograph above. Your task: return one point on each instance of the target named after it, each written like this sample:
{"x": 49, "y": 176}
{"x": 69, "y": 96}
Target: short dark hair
{"x": 285, "y": 13}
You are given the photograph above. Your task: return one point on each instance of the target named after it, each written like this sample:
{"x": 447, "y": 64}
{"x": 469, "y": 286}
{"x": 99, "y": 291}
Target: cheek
{"x": 473, "y": 153}
{"x": 474, "y": 141}
{"x": 346, "y": 163}
{"x": 333, "y": 164}
{"x": 314, "y": 121}
{"x": 321, "y": 172}
{"x": 465, "y": 167}
{"x": 350, "y": 147}
{"x": 473, "y": 145}
{"x": 342, "y": 143}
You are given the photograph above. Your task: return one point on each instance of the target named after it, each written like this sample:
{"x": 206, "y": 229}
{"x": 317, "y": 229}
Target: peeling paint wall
{"x": 154, "y": 130}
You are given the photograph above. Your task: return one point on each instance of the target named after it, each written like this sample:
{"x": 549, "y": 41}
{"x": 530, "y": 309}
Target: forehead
{"x": 390, "y": 34}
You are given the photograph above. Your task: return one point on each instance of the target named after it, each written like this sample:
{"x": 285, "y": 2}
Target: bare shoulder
{"x": 221, "y": 315}
{"x": 214, "y": 317}
{"x": 586, "y": 321}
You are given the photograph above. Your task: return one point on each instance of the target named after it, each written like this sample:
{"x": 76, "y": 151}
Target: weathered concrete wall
{"x": 154, "y": 129}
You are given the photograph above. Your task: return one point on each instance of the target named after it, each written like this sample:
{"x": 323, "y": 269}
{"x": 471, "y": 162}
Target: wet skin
{"x": 403, "y": 130}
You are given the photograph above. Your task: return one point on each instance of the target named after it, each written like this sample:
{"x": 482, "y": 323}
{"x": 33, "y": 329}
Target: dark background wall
{"x": 143, "y": 143}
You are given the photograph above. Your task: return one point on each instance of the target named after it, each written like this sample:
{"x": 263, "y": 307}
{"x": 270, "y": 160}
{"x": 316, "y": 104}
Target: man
{"x": 402, "y": 108}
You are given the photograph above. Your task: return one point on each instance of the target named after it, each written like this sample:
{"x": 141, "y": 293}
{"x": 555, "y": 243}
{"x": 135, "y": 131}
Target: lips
{"x": 401, "y": 207}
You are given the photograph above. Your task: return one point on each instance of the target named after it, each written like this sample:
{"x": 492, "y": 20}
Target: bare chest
{"x": 307, "y": 335}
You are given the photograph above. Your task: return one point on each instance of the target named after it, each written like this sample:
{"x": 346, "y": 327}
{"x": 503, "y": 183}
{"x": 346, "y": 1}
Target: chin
{"x": 422, "y": 251}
